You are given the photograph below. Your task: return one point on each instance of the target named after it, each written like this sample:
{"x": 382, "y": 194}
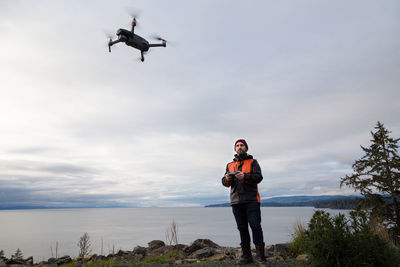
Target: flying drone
{"x": 134, "y": 40}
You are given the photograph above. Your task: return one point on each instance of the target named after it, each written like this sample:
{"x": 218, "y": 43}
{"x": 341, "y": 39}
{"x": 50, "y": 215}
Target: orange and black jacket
{"x": 244, "y": 191}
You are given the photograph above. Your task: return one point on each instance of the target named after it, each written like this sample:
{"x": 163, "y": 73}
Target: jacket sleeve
{"x": 224, "y": 182}
{"x": 255, "y": 176}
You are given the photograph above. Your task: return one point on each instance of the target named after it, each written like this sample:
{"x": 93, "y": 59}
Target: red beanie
{"x": 241, "y": 141}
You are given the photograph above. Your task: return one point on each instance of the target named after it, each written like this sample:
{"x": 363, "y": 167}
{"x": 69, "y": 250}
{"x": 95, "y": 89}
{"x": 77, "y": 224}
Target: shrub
{"x": 84, "y": 245}
{"x": 298, "y": 244}
{"x": 342, "y": 241}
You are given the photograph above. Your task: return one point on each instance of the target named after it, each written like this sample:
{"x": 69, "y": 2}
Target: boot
{"x": 246, "y": 257}
{"x": 260, "y": 256}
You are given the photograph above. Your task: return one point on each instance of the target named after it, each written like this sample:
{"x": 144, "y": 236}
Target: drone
{"x": 134, "y": 40}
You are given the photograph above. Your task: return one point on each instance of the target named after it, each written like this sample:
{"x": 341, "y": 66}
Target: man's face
{"x": 240, "y": 148}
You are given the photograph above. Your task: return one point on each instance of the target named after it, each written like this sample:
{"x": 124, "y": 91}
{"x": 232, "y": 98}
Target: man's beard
{"x": 241, "y": 152}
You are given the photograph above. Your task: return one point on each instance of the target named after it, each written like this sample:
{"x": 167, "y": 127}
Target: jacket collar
{"x": 242, "y": 157}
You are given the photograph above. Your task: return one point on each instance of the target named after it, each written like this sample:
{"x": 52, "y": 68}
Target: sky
{"x": 304, "y": 82}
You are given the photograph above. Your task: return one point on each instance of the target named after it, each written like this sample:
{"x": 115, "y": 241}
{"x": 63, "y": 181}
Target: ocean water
{"x": 36, "y": 232}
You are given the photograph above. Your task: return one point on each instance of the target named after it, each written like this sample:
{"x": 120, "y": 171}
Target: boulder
{"x": 137, "y": 257}
{"x": 62, "y": 260}
{"x": 99, "y": 258}
{"x": 281, "y": 249}
{"x": 122, "y": 253}
{"x": 180, "y": 247}
{"x": 156, "y": 244}
{"x": 51, "y": 260}
{"x": 162, "y": 250}
{"x": 199, "y": 244}
{"x": 203, "y": 253}
{"x": 2, "y": 263}
{"x": 138, "y": 250}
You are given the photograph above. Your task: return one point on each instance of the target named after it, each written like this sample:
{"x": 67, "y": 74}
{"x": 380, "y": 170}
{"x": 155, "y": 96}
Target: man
{"x": 243, "y": 175}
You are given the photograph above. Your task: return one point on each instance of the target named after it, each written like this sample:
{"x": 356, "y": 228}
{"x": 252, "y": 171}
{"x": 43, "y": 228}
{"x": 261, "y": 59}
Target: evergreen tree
{"x": 18, "y": 255}
{"x": 377, "y": 177}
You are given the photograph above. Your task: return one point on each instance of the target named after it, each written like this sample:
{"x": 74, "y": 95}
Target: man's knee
{"x": 255, "y": 226}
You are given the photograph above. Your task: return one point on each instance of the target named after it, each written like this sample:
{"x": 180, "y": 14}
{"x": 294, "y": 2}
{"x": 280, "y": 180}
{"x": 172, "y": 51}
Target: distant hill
{"x": 324, "y": 201}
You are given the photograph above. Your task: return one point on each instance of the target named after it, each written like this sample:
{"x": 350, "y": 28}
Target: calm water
{"x": 36, "y": 231}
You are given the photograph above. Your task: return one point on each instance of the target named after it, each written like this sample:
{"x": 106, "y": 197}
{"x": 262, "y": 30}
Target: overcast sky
{"x": 304, "y": 82}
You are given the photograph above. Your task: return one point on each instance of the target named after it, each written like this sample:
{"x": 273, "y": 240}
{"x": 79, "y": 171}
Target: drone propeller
{"x": 159, "y": 38}
{"x": 109, "y": 36}
{"x": 134, "y": 14}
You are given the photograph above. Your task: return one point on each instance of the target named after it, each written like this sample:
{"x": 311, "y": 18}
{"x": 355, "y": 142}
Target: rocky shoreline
{"x": 201, "y": 251}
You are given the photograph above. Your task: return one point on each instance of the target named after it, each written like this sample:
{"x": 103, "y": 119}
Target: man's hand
{"x": 240, "y": 176}
{"x": 228, "y": 177}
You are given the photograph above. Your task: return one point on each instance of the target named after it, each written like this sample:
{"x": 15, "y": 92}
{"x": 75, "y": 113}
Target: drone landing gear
{"x": 142, "y": 56}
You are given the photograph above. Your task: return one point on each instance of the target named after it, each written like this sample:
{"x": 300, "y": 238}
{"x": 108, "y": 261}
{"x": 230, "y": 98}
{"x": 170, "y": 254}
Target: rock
{"x": 51, "y": 260}
{"x": 190, "y": 260}
{"x": 180, "y": 247}
{"x": 205, "y": 243}
{"x": 121, "y": 253}
{"x": 89, "y": 257}
{"x": 137, "y": 257}
{"x": 276, "y": 258}
{"x": 269, "y": 250}
{"x": 281, "y": 249}
{"x": 15, "y": 261}
{"x": 203, "y": 253}
{"x": 29, "y": 261}
{"x": 138, "y": 250}
{"x": 162, "y": 250}
{"x": 59, "y": 261}
{"x": 99, "y": 258}
{"x": 302, "y": 257}
{"x": 217, "y": 257}
{"x": 156, "y": 244}
{"x": 2, "y": 263}
{"x": 199, "y": 244}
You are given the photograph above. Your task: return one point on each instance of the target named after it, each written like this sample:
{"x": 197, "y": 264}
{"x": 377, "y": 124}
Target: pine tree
{"x": 377, "y": 177}
{"x": 17, "y": 255}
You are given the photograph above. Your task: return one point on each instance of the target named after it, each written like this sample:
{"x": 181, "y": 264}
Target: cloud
{"x": 303, "y": 84}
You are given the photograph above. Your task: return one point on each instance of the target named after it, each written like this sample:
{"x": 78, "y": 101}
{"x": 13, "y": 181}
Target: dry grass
{"x": 378, "y": 227}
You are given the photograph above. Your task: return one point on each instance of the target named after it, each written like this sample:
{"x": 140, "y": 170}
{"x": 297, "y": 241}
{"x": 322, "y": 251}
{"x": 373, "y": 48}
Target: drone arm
{"x": 164, "y": 44}
{"x": 111, "y": 43}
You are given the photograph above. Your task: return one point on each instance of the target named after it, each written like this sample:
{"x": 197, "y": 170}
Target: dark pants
{"x": 245, "y": 214}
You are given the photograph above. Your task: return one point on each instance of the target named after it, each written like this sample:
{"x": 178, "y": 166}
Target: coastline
{"x": 157, "y": 252}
